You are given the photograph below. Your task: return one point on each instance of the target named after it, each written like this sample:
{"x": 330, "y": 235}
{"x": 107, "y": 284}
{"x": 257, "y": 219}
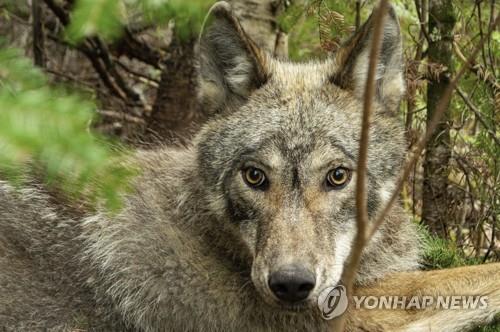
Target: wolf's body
{"x": 165, "y": 263}
{"x": 196, "y": 245}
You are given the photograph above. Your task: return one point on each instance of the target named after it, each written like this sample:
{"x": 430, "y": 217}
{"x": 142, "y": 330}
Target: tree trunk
{"x": 176, "y": 108}
{"x": 438, "y": 150}
{"x": 37, "y": 13}
{"x": 258, "y": 18}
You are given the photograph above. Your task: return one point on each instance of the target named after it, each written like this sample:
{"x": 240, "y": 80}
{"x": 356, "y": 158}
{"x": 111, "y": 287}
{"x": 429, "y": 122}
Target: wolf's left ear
{"x": 231, "y": 65}
{"x": 353, "y": 58}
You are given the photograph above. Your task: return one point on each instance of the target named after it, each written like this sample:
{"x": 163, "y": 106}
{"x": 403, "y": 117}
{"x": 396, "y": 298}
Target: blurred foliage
{"x": 490, "y": 328}
{"x": 107, "y": 18}
{"x": 91, "y": 17}
{"x": 46, "y": 129}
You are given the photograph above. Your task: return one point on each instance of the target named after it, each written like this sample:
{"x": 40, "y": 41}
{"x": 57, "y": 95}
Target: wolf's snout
{"x": 292, "y": 283}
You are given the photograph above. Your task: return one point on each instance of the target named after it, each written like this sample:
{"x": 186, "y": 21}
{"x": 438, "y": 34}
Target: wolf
{"x": 241, "y": 229}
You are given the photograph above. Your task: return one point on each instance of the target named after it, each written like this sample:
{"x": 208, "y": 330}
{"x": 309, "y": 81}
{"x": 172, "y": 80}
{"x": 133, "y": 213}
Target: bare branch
{"x": 58, "y": 11}
{"x": 121, "y": 116}
{"x": 479, "y": 70}
{"x": 361, "y": 201}
{"x": 142, "y": 77}
{"x": 81, "y": 83}
{"x": 98, "y": 54}
{"x": 474, "y": 109}
{"x": 421, "y": 12}
{"x": 103, "y": 52}
{"x": 412, "y": 67}
{"x": 135, "y": 48}
{"x": 492, "y": 241}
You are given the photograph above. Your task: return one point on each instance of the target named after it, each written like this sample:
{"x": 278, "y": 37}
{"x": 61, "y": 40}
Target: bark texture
{"x": 438, "y": 150}
{"x": 175, "y": 107}
{"x": 258, "y": 18}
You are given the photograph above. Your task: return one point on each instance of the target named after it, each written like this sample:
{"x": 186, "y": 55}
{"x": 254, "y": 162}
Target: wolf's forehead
{"x": 300, "y": 76}
{"x": 305, "y": 138}
{"x": 306, "y": 153}
{"x": 300, "y": 122}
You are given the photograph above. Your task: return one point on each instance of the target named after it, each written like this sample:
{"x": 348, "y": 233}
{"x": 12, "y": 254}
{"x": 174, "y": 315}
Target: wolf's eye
{"x": 338, "y": 178}
{"x": 254, "y": 177}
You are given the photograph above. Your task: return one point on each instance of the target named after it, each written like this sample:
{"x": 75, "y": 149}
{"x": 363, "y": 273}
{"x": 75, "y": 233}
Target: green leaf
{"x": 92, "y": 17}
{"x": 44, "y": 128}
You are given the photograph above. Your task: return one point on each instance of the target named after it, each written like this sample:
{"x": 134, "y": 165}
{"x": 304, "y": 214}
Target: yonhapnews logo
{"x": 333, "y": 302}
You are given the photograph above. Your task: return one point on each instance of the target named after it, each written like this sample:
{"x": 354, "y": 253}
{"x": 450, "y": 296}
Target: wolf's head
{"x": 278, "y": 155}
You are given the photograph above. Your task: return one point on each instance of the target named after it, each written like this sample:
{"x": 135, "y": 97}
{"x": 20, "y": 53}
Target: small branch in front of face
{"x": 361, "y": 199}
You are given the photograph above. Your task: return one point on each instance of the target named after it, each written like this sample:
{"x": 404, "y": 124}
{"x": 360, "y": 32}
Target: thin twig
{"x": 480, "y": 71}
{"x": 134, "y": 47}
{"x": 82, "y": 84}
{"x": 492, "y": 241}
{"x": 121, "y": 116}
{"x": 412, "y": 67}
{"x": 103, "y": 52}
{"x": 144, "y": 78}
{"x": 490, "y": 28}
{"x": 474, "y": 109}
{"x": 421, "y": 11}
{"x": 361, "y": 199}
{"x": 481, "y": 33}
{"x": 100, "y": 68}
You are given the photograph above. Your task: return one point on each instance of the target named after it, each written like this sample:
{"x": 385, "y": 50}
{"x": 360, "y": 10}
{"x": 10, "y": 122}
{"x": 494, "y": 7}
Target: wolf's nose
{"x": 292, "y": 283}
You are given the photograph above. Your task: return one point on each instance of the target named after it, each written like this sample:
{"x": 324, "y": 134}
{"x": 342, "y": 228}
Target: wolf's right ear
{"x": 353, "y": 57}
{"x": 231, "y": 65}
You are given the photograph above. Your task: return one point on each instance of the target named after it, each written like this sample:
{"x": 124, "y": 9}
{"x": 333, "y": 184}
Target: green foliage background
{"x": 107, "y": 17}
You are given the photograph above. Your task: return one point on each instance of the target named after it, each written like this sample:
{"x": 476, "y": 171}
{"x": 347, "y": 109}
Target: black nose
{"x": 292, "y": 283}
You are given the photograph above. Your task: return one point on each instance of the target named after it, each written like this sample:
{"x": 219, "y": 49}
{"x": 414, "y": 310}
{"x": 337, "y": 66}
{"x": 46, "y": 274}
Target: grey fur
{"x": 194, "y": 245}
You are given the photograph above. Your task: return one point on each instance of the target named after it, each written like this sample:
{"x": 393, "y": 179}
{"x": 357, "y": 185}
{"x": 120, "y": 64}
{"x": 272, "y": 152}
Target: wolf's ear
{"x": 353, "y": 58}
{"x": 231, "y": 64}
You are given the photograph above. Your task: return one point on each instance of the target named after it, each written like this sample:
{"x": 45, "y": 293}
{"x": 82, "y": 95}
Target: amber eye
{"x": 254, "y": 177}
{"x": 337, "y": 178}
